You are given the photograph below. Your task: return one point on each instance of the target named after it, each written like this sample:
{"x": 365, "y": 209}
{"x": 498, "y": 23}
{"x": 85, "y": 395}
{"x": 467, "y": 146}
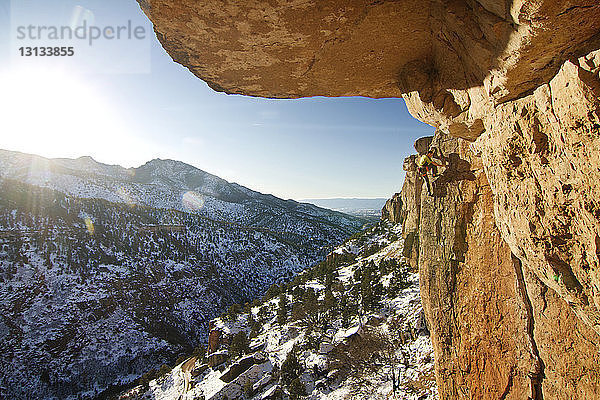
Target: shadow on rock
{"x": 457, "y": 170}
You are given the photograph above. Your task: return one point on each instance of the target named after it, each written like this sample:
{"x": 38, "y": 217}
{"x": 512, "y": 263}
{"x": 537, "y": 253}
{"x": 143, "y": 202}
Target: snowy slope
{"x": 106, "y": 272}
{"x": 345, "y": 355}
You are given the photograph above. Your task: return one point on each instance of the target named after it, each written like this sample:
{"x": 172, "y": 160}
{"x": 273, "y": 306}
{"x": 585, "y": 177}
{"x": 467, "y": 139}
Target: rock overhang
{"x": 451, "y": 60}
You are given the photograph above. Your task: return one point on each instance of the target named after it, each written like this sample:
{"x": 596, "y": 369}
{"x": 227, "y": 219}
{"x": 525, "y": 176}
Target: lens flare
{"x": 89, "y": 225}
{"x": 81, "y": 15}
{"x": 193, "y": 201}
{"x": 124, "y": 195}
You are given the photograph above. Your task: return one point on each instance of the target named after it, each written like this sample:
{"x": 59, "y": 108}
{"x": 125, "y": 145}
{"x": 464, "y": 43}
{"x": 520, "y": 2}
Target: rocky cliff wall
{"x": 392, "y": 208}
{"x": 542, "y": 158}
{"x": 438, "y": 48}
{"x": 498, "y": 331}
{"x": 468, "y": 284}
{"x": 411, "y": 210}
{"x": 508, "y": 246}
{"x": 539, "y": 154}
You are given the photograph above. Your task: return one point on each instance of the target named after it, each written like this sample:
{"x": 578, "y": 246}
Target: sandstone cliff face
{"x": 411, "y": 211}
{"x": 497, "y": 330}
{"x": 467, "y": 281}
{"x": 411, "y": 203}
{"x": 392, "y": 208}
{"x": 542, "y": 154}
{"x": 508, "y": 247}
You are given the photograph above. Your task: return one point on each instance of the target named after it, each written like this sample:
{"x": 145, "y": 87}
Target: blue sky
{"x": 126, "y": 102}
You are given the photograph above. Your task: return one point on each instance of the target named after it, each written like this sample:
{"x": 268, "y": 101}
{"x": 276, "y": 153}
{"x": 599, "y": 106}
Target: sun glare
{"x": 53, "y": 114}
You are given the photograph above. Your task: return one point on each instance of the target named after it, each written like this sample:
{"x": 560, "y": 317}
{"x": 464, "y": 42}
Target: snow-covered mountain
{"x": 172, "y": 185}
{"x": 351, "y": 327}
{"x": 106, "y": 272}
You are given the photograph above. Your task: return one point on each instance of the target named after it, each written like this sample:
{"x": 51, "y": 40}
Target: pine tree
{"x": 254, "y": 325}
{"x": 296, "y": 389}
{"x": 199, "y": 352}
{"x": 298, "y": 311}
{"x": 369, "y": 290}
{"x": 233, "y": 312}
{"x": 291, "y": 368}
{"x": 283, "y": 309}
{"x": 272, "y": 292}
{"x": 164, "y": 369}
{"x": 311, "y": 304}
{"x": 329, "y": 301}
{"x": 312, "y": 308}
{"x": 298, "y": 291}
{"x": 239, "y": 344}
{"x": 343, "y": 306}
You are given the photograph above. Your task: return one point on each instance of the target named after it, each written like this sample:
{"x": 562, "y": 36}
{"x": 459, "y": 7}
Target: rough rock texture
{"x": 392, "y": 208}
{"x": 567, "y": 346}
{"x": 238, "y": 368}
{"x": 411, "y": 202}
{"x": 411, "y": 210}
{"x": 216, "y": 339}
{"x": 423, "y": 144}
{"x": 374, "y": 48}
{"x": 509, "y": 245}
{"x": 498, "y": 332}
{"x": 467, "y": 281}
{"x": 490, "y": 52}
{"x": 294, "y": 48}
{"x": 542, "y": 157}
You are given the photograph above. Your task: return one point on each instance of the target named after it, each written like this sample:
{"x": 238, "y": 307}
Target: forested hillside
{"x": 94, "y": 292}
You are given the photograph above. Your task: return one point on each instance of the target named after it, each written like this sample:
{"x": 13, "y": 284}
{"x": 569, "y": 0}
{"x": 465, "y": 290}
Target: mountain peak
{"x": 170, "y": 163}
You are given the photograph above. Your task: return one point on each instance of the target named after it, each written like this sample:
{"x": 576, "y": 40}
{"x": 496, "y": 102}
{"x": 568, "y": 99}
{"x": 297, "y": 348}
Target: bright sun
{"x": 54, "y": 114}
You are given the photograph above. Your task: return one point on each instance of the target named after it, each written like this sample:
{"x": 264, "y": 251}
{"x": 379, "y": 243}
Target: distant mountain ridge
{"x": 348, "y": 202}
{"x": 163, "y": 184}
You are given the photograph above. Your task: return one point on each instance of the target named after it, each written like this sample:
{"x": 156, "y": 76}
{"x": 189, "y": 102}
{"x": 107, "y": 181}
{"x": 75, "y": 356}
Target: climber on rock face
{"x": 426, "y": 164}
